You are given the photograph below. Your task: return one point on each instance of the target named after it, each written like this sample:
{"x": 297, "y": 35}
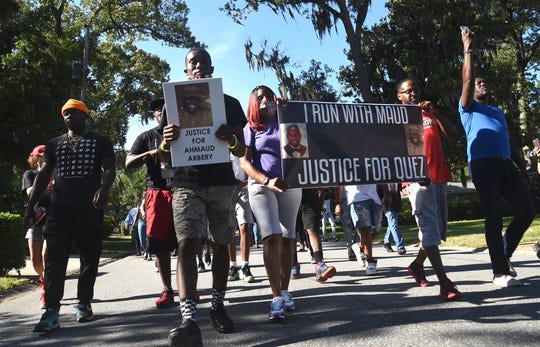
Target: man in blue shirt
{"x": 492, "y": 169}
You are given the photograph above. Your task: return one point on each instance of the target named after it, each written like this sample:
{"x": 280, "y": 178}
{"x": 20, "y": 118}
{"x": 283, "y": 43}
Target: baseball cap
{"x": 157, "y": 103}
{"x": 38, "y": 151}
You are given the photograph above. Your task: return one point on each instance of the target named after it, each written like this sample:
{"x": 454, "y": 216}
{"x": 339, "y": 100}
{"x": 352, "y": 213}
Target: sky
{"x": 225, "y": 41}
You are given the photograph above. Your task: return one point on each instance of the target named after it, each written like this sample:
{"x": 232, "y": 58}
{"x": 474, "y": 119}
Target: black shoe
{"x": 207, "y": 259}
{"x": 350, "y": 253}
{"x": 401, "y": 251}
{"x": 388, "y": 247}
{"x": 187, "y": 334}
{"x": 536, "y": 248}
{"x": 221, "y": 321}
{"x": 511, "y": 271}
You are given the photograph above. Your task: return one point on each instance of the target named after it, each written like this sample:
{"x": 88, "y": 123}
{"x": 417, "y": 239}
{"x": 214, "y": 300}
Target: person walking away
{"x": 131, "y": 224}
{"x": 328, "y": 216}
{"x": 392, "y": 217}
{"x": 365, "y": 208}
{"x": 311, "y": 209}
{"x": 243, "y": 218}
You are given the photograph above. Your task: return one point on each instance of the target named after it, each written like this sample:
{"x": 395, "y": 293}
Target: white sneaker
{"x": 371, "y": 268}
{"x": 360, "y": 256}
{"x": 506, "y": 281}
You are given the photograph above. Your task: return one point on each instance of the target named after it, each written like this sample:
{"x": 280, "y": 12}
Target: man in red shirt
{"x": 428, "y": 200}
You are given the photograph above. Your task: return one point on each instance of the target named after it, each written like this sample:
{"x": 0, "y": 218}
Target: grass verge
{"x": 114, "y": 244}
{"x": 468, "y": 233}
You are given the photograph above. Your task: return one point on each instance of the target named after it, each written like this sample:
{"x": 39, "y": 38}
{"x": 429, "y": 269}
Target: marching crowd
{"x": 183, "y": 206}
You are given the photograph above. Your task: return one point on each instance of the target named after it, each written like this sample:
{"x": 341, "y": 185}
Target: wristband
{"x": 266, "y": 181}
{"x": 469, "y": 51}
{"x": 163, "y": 149}
{"x": 235, "y": 143}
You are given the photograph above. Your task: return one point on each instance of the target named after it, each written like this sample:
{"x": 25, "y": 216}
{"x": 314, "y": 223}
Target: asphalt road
{"x": 350, "y": 309}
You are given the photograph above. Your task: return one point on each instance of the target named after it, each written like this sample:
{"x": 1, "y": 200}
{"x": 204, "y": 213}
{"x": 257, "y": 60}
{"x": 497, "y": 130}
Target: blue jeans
{"x": 366, "y": 213}
{"x": 392, "y": 232}
{"x": 142, "y": 234}
{"x": 494, "y": 179}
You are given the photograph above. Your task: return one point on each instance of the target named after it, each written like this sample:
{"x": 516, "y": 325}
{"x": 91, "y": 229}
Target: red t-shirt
{"x": 438, "y": 170}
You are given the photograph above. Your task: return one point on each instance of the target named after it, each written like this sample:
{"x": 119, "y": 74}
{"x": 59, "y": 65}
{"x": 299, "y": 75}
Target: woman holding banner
{"x": 274, "y": 205}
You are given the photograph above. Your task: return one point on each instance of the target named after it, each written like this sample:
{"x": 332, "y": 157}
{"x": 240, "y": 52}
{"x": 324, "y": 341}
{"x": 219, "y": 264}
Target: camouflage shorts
{"x": 192, "y": 207}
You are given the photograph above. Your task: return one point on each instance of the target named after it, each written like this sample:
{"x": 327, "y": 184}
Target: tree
{"x": 420, "y": 40}
{"x": 324, "y": 16}
{"x": 310, "y": 85}
{"x": 40, "y": 40}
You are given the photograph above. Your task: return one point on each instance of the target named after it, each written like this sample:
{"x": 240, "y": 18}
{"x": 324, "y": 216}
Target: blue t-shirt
{"x": 266, "y": 148}
{"x": 486, "y": 130}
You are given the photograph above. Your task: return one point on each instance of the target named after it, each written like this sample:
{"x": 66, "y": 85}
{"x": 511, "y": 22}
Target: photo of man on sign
{"x": 194, "y": 108}
{"x": 295, "y": 147}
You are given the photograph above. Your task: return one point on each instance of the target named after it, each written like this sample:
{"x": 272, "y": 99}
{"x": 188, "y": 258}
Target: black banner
{"x": 331, "y": 144}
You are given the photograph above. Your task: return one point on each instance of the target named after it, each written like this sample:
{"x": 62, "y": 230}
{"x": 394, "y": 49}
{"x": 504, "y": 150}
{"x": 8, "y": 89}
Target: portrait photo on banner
{"x": 330, "y": 144}
{"x": 294, "y": 140}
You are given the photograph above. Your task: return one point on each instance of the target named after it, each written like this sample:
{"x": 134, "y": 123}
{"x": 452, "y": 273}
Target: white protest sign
{"x": 198, "y": 107}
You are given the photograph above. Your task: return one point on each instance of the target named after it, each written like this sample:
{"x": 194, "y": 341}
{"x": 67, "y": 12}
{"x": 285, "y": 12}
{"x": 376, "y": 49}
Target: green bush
{"x": 13, "y": 245}
{"x": 465, "y": 206}
{"x": 108, "y": 225}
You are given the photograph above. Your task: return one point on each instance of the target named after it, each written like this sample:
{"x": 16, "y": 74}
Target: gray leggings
{"x": 275, "y": 212}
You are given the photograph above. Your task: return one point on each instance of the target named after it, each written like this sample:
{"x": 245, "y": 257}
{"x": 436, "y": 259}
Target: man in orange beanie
{"x": 83, "y": 165}
{"x": 75, "y": 104}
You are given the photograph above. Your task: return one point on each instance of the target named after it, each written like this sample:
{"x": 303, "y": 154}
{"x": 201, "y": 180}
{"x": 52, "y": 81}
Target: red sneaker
{"x": 449, "y": 291}
{"x": 419, "y": 275}
{"x": 166, "y": 299}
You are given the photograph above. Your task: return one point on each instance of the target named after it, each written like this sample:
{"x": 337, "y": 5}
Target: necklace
{"x": 73, "y": 141}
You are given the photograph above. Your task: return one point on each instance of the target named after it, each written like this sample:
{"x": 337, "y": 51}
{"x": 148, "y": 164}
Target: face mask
{"x": 268, "y": 109}
{"x": 198, "y": 77}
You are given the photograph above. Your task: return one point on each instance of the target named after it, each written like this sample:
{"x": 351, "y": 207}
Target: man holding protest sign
{"x": 428, "y": 199}
{"x": 201, "y": 193}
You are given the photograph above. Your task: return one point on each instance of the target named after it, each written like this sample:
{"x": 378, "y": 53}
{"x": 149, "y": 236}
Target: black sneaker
{"x": 350, "y": 253}
{"x": 207, "y": 259}
{"x": 536, "y": 248}
{"x": 187, "y": 334}
{"x": 388, "y": 247}
{"x": 221, "y": 321}
{"x": 401, "y": 251}
{"x": 245, "y": 274}
{"x": 233, "y": 274}
{"x": 511, "y": 271}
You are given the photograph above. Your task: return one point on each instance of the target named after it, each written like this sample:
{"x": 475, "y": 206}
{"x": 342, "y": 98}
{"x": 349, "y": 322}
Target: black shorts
{"x": 311, "y": 219}
{"x": 154, "y": 245}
